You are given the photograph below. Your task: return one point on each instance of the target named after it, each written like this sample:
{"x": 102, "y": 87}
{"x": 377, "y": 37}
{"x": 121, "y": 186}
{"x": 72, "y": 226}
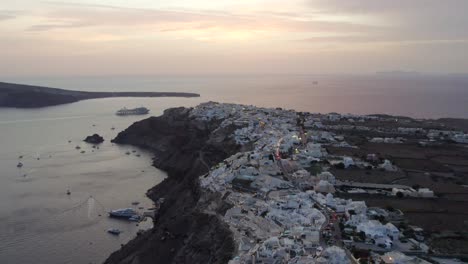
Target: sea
{"x": 41, "y": 223}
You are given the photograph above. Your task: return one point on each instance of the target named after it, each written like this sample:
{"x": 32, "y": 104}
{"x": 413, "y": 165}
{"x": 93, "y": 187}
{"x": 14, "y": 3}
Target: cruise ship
{"x": 134, "y": 111}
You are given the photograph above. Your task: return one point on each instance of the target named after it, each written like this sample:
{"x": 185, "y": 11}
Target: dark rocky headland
{"x": 185, "y": 148}
{"x": 27, "y": 96}
{"x": 227, "y": 162}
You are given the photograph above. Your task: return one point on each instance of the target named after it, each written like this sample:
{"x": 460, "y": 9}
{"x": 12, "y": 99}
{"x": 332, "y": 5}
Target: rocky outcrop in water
{"x": 94, "y": 139}
{"x": 27, "y": 96}
{"x": 183, "y": 233}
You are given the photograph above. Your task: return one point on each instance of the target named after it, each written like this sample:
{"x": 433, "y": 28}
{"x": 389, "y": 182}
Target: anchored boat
{"x": 123, "y": 213}
{"x": 113, "y": 231}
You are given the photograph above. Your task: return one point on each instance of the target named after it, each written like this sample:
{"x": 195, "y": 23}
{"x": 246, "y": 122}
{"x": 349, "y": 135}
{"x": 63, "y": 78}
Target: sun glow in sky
{"x": 91, "y": 37}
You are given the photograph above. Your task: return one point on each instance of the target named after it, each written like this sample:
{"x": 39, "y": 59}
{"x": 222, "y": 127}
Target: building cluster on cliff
{"x": 281, "y": 195}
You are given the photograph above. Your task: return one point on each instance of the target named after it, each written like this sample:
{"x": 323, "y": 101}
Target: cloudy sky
{"x": 112, "y": 37}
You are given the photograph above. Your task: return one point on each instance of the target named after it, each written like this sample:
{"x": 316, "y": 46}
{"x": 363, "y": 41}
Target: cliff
{"x": 27, "y": 96}
{"x": 183, "y": 232}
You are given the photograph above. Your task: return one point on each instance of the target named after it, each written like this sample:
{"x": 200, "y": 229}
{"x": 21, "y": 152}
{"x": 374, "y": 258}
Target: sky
{"x": 144, "y": 37}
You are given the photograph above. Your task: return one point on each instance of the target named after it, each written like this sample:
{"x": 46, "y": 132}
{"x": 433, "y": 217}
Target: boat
{"x": 123, "y": 213}
{"x": 135, "y": 218}
{"x": 19, "y": 165}
{"x": 135, "y": 111}
{"x": 114, "y": 231}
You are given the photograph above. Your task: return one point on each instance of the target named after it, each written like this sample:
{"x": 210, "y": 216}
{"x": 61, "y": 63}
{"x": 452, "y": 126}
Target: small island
{"x": 28, "y": 96}
{"x": 94, "y": 139}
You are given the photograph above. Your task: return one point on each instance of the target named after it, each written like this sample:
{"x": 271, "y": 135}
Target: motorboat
{"x": 114, "y": 231}
{"x": 135, "y": 218}
{"x": 123, "y": 213}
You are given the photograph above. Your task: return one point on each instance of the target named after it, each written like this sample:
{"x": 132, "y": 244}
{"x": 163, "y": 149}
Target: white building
{"x": 327, "y": 176}
{"x": 388, "y": 166}
{"x": 348, "y": 161}
{"x": 425, "y": 193}
{"x": 460, "y": 138}
{"x": 324, "y": 187}
{"x": 375, "y": 230}
{"x": 335, "y": 255}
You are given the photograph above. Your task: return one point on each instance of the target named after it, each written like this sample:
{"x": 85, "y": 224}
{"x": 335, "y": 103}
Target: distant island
{"x": 28, "y": 96}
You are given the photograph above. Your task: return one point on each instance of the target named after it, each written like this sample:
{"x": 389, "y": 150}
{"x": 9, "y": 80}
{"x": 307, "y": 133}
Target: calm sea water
{"x": 415, "y": 96}
{"x": 39, "y": 223}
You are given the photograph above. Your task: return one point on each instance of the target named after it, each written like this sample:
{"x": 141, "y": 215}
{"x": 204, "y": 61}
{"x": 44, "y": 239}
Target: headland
{"x": 28, "y": 96}
{"x": 263, "y": 185}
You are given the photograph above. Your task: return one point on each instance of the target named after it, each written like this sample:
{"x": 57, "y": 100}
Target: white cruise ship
{"x": 134, "y": 111}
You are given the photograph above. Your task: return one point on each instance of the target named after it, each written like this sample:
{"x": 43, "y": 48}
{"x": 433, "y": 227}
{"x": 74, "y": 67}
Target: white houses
{"x": 425, "y": 193}
{"x": 375, "y": 230}
{"x": 460, "y": 138}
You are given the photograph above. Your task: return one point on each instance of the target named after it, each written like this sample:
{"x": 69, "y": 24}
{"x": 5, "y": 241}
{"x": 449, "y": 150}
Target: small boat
{"x": 135, "y": 218}
{"x": 123, "y": 213}
{"x": 114, "y": 231}
{"x": 77, "y": 147}
{"x": 68, "y": 192}
{"x": 128, "y": 152}
{"x": 19, "y": 165}
{"x": 135, "y": 203}
{"x": 20, "y": 157}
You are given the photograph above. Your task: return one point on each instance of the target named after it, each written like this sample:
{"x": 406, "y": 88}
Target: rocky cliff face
{"x": 184, "y": 232}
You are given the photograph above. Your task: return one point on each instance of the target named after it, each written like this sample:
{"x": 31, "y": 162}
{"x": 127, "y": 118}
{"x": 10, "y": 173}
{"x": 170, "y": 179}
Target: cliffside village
{"x": 286, "y": 205}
